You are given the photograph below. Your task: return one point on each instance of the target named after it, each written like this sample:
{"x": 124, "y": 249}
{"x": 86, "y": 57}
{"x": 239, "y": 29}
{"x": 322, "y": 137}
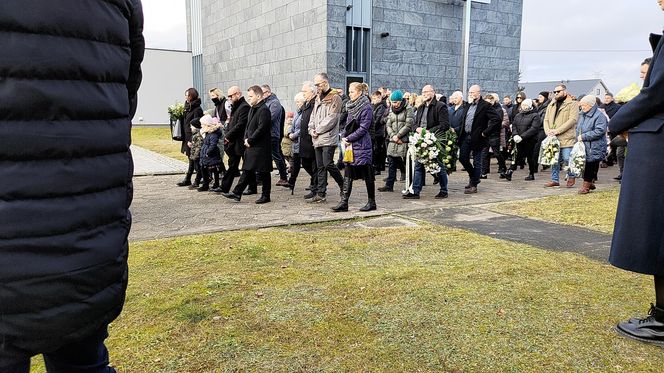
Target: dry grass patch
{"x": 157, "y": 139}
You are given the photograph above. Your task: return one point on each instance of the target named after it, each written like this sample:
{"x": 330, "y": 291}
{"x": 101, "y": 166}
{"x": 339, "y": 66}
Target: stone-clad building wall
{"x": 280, "y": 43}
{"x": 285, "y": 42}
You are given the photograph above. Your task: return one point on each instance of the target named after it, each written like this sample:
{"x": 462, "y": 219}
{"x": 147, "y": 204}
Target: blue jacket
{"x": 69, "y": 75}
{"x": 456, "y": 118}
{"x": 276, "y": 115}
{"x": 592, "y": 128}
{"x": 295, "y": 131}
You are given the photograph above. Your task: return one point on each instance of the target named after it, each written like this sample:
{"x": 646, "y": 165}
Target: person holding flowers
{"x": 433, "y": 117}
{"x": 525, "y": 133}
{"x": 357, "y": 136}
{"x": 591, "y": 129}
{"x": 638, "y": 244}
{"x": 560, "y": 121}
{"x": 398, "y": 126}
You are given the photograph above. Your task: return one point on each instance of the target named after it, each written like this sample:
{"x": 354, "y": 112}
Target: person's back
{"x": 68, "y": 81}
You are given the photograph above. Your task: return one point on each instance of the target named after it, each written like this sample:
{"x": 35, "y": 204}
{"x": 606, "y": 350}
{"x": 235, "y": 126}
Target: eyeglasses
{"x": 319, "y": 84}
{"x": 556, "y": 92}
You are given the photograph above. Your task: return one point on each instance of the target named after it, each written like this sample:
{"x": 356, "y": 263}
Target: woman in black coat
{"x": 192, "y": 115}
{"x": 525, "y": 131}
{"x": 220, "y": 113}
{"x": 638, "y": 243}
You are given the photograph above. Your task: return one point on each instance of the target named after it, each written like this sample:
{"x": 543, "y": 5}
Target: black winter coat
{"x": 638, "y": 243}
{"x": 377, "y": 130}
{"x": 527, "y": 124}
{"x": 258, "y": 156}
{"x": 438, "y": 117}
{"x": 220, "y": 110}
{"x": 306, "y": 144}
{"x": 192, "y": 115}
{"x": 611, "y": 109}
{"x": 236, "y": 127}
{"x": 69, "y": 74}
{"x": 484, "y": 123}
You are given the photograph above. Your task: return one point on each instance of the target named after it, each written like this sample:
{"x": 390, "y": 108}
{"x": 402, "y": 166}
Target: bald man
{"x": 456, "y": 111}
{"x": 234, "y": 140}
{"x": 479, "y": 121}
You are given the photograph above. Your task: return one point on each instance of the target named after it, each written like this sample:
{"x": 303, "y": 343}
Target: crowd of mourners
{"x": 255, "y": 133}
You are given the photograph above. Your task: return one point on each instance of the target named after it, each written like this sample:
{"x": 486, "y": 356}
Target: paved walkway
{"x": 147, "y": 162}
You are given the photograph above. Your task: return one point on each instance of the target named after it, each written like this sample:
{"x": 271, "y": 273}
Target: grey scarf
{"x": 354, "y": 108}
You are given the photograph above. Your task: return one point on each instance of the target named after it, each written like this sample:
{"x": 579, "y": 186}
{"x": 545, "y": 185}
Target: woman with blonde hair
{"x": 356, "y": 135}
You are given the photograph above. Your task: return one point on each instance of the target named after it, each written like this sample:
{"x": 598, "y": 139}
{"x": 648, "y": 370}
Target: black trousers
{"x": 494, "y": 143}
{"x": 208, "y": 172}
{"x": 526, "y": 150}
{"x": 248, "y": 177}
{"x": 379, "y": 153}
{"x": 590, "y": 172}
{"x": 324, "y": 164}
{"x": 230, "y": 174}
{"x": 309, "y": 165}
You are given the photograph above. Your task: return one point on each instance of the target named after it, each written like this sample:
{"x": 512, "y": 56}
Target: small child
{"x": 194, "y": 154}
{"x": 286, "y": 142}
{"x": 210, "y": 156}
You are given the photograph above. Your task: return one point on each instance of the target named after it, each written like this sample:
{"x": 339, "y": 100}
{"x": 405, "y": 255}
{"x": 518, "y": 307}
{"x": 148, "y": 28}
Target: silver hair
{"x": 495, "y": 97}
{"x": 300, "y": 97}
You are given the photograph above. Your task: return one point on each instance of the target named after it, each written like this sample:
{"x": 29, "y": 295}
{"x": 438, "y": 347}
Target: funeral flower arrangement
{"x": 449, "y": 150}
{"x": 577, "y": 159}
{"x": 427, "y": 149}
{"x": 176, "y": 111}
{"x": 628, "y": 93}
{"x": 550, "y": 151}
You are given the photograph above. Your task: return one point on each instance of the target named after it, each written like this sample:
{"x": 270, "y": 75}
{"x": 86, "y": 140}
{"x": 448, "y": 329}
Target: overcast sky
{"x": 561, "y": 39}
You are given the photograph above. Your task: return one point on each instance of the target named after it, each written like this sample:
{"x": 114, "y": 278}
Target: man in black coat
{"x": 638, "y": 244}
{"x": 257, "y": 152}
{"x": 306, "y": 158}
{"x": 610, "y": 106}
{"x": 234, "y": 139}
{"x": 434, "y": 117}
{"x": 65, "y": 119}
{"x": 479, "y": 121}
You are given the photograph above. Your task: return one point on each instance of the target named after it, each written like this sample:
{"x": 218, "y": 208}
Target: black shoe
{"x": 263, "y": 199}
{"x": 385, "y": 189}
{"x": 203, "y": 188}
{"x": 410, "y": 195}
{"x": 508, "y": 175}
{"x": 530, "y": 177}
{"x": 502, "y": 175}
{"x": 249, "y": 192}
{"x": 483, "y": 176}
{"x": 232, "y": 196}
{"x": 370, "y": 206}
{"x": 341, "y": 207}
{"x": 441, "y": 195}
{"x": 619, "y": 177}
{"x": 648, "y": 330}
{"x": 376, "y": 172}
{"x": 184, "y": 183}
{"x": 216, "y": 190}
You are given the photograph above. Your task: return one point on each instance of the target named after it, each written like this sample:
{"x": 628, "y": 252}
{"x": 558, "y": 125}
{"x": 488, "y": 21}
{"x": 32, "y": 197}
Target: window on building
{"x": 358, "y": 44}
{"x": 597, "y": 92}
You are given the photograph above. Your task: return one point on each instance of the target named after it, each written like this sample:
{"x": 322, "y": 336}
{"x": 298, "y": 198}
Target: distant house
{"x": 574, "y": 87}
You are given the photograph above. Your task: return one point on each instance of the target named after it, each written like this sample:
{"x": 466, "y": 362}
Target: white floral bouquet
{"x": 577, "y": 159}
{"x": 628, "y": 93}
{"x": 427, "y": 149}
{"x": 450, "y": 150}
{"x": 176, "y": 111}
{"x": 549, "y": 151}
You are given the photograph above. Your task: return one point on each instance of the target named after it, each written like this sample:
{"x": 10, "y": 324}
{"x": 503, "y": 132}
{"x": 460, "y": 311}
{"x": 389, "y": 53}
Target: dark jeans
{"x": 494, "y": 143}
{"x": 394, "y": 163}
{"x": 590, "y": 172}
{"x": 474, "y": 169}
{"x": 420, "y": 173}
{"x": 309, "y": 165}
{"x": 325, "y": 164}
{"x": 88, "y": 355}
{"x": 278, "y": 158}
{"x": 231, "y": 172}
{"x": 193, "y": 166}
{"x": 248, "y": 178}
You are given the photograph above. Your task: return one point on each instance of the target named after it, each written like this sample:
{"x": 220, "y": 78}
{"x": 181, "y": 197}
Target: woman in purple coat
{"x": 357, "y": 135}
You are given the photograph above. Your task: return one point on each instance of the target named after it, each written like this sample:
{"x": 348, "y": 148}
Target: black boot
{"x": 649, "y": 329}
{"x": 508, "y": 175}
{"x": 345, "y": 195}
{"x": 371, "y": 193}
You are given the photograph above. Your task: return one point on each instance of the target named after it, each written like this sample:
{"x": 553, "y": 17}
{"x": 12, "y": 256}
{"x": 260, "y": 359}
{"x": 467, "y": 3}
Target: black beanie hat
{"x": 545, "y": 95}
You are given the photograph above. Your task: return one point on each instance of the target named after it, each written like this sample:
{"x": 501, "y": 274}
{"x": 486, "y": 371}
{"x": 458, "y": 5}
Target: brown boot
{"x": 570, "y": 182}
{"x": 585, "y": 188}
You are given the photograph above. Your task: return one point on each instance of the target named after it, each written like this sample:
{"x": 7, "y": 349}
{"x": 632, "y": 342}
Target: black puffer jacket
{"x": 527, "y": 124}
{"x": 192, "y": 116}
{"x": 69, "y": 74}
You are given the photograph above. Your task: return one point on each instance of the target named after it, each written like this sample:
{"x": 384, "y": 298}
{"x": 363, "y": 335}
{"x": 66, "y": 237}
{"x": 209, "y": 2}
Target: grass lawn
{"x": 394, "y": 299}
{"x": 157, "y": 139}
{"x": 596, "y": 210}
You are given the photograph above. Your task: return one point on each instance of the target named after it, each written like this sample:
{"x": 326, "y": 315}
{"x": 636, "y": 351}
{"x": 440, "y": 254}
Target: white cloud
{"x": 165, "y": 24}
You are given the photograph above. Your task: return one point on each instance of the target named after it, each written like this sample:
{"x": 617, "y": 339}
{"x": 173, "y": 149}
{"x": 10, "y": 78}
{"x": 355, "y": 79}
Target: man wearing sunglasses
{"x": 560, "y": 121}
